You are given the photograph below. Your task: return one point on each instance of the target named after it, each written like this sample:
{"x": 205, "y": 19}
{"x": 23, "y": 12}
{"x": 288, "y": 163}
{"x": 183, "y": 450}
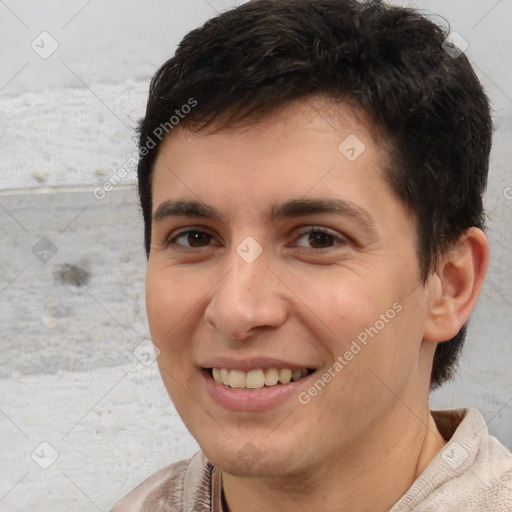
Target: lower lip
{"x": 251, "y": 401}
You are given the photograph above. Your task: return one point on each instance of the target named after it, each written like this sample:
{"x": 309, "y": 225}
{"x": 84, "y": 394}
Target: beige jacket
{"x": 473, "y": 473}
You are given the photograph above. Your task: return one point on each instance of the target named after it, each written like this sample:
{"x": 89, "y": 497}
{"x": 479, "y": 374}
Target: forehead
{"x": 300, "y": 138}
{"x": 311, "y": 148}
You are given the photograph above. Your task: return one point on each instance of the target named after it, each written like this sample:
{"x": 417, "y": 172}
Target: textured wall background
{"x": 83, "y": 415}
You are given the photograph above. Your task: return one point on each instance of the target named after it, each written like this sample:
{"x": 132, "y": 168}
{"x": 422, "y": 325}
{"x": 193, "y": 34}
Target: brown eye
{"x": 320, "y": 240}
{"x": 192, "y": 238}
{"x": 198, "y": 239}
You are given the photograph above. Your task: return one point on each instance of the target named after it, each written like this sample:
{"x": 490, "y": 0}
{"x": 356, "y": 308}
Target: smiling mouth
{"x": 256, "y": 379}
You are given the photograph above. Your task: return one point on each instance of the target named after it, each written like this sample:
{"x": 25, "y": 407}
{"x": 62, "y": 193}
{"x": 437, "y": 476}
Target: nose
{"x": 248, "y": 298}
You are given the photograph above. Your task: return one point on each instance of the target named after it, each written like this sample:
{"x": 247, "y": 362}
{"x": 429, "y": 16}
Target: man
{"x": 311, "y": 181}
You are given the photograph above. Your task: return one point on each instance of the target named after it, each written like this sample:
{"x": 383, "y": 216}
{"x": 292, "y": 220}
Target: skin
{"x": 361, "y": 442}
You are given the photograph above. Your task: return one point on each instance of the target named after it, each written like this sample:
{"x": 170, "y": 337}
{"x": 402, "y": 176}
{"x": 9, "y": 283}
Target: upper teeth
{"x": 256, "y": 379}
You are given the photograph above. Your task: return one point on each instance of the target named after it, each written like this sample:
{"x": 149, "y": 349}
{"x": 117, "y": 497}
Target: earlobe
{"x": 460, "y": 276}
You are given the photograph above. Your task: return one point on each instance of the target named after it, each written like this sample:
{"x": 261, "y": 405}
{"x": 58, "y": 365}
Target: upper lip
{"x": 253, "y": 363}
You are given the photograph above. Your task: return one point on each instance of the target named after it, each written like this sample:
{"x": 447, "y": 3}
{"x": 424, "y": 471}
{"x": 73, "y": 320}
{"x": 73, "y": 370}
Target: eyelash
{"x": 337, "y": 239}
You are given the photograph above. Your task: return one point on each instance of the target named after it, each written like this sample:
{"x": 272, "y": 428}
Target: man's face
{"x": 276, "y": 248}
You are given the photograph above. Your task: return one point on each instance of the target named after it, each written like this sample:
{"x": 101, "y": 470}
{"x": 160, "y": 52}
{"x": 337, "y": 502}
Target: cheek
{"x": 170, "y": 309}
{"x": 169, "y": 302}
{"x": 159, "y": 305}
{"x": 339, "y": 305}
{"x": 365, "y": 321}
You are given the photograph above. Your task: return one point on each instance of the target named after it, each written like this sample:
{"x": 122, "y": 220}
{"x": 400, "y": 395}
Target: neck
{"x": 372, "y": 477}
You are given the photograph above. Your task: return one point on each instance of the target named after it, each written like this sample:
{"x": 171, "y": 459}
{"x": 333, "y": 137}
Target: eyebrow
{"x": 303, "y": 207}
{"x": 292, "y": 208}
{"x": 183, "y": 208}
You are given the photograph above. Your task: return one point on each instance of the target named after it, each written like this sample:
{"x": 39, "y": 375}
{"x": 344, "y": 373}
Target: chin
{"x": 254, "y": 458}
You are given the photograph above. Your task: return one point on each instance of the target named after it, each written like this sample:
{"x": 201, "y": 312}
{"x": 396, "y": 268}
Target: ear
{"x": 455, "y": 287}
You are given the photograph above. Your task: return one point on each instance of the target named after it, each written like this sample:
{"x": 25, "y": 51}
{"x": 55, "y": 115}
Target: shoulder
{"x": 487, "y": 479}
{"x": 473, "y": 472}
{"x": 181, "y": 485}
